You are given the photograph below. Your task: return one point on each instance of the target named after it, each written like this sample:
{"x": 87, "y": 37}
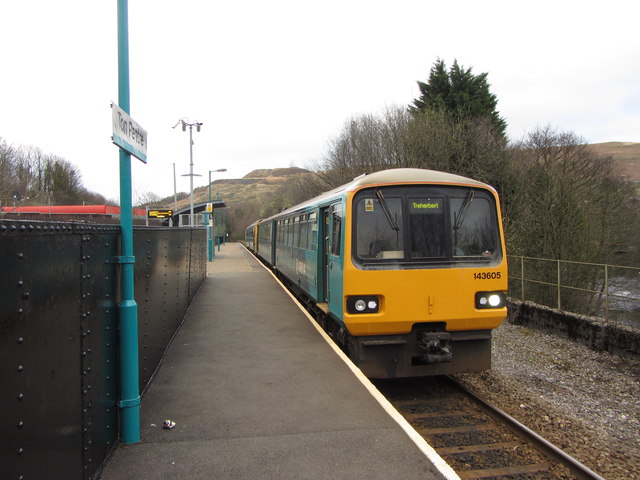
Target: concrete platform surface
{"x": 256, "y": 392}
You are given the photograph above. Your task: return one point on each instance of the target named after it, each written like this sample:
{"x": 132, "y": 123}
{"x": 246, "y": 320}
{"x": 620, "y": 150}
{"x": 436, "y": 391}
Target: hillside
{"x": 254, "y": 186}
{"x": 625, "y": 154}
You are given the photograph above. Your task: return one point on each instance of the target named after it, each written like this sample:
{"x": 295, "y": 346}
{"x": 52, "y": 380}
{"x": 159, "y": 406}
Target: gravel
{"x": 584, "y": 402}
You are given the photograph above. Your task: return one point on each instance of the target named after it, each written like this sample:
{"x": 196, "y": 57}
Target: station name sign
{"x": 127, "y": 134}
{"x": 160, "y": 213}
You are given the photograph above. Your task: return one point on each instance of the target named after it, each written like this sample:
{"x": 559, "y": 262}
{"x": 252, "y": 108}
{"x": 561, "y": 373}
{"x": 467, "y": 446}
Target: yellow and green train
{"x": 405, "y": 268}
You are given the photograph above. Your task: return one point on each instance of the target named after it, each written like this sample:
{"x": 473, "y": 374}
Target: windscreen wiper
{"x": 387, "y": 213}
{"x": 463, "y": 210}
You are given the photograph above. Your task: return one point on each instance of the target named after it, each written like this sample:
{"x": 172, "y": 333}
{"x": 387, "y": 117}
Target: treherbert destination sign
{"x": 127, "y": 134}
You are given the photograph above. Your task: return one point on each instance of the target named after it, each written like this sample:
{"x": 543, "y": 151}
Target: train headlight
{"x": 490, "y": 300}
{"x": 495, "y": 300}
{"x": 363, "y": 304}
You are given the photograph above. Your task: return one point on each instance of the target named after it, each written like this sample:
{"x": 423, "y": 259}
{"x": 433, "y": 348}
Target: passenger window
{"x": 304, "y": 233}
{"x": 296, "y": 232}
{"x": 337, "y": 233}
{"x": 288, "y": 234}
{"x": 313, "y": 232}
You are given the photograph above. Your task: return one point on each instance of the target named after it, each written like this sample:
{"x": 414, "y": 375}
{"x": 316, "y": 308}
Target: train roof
{"x": 410, "y": 175}
{"x": 394, "y": 176}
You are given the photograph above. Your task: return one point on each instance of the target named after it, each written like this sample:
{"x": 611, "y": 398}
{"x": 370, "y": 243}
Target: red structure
{"x": 93, "y": 212}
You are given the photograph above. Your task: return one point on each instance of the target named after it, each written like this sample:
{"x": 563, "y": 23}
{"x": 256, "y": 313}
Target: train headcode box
{"x": 160, "y": 213}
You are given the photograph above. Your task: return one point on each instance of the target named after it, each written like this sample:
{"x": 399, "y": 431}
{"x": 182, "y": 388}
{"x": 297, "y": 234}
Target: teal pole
{"x": 210, "y": 228}
{"x": 127, "y": 308}
{"x": 217, "y": 220}
{"x": 206, "y": 226}
{"x": 218, "y": 230}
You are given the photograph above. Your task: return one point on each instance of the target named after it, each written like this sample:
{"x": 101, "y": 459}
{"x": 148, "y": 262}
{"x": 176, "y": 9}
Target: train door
{"x": 332, "y": 258}
{"x": 274, "y": 233}
{"x": 324, "y": 233}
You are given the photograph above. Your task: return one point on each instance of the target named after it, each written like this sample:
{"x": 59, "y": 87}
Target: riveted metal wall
{"x": 165, "y": 283}
{"x": 58, "y": 336}
{"x": 40, "y": 344}
{"x": 99, "y": 337}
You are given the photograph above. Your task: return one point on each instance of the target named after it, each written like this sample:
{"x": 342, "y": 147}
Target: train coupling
{"x": 435, "y": 347}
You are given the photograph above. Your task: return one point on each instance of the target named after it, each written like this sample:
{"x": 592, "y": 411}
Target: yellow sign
{"x": 209, "y": 207}
{"x": 160, "y": 213}
{"x": 368, "y": 205}
{"x": 431, "y": 205}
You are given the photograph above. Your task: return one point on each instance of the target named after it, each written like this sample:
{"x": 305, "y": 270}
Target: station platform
{"x": 256, "y": 391}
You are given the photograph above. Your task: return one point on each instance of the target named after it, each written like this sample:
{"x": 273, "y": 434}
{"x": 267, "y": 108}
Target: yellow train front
{"x": 407, "y": 268}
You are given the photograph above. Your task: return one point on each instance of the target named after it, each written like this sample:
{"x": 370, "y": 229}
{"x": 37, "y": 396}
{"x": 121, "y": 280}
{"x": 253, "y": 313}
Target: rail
{"x": 579, "y": 470}
{"x": 606, "y": 291}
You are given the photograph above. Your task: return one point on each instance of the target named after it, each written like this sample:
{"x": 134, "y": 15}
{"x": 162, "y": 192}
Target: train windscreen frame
{"x": 424, "y": 226}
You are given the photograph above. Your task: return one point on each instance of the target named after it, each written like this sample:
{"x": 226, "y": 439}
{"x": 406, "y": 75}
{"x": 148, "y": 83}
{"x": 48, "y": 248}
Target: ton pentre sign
{"x": 127, "y": 134}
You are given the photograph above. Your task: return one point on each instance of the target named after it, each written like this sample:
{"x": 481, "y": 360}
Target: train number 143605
{"x": 487, "y": 275}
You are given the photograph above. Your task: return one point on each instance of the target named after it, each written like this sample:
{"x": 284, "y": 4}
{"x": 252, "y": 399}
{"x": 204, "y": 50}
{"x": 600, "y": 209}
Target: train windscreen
{"x": 414, "y": 226}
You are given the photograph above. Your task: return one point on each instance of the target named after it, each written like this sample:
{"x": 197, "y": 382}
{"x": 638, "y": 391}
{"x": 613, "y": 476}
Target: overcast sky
{"x": 274, "y": 81}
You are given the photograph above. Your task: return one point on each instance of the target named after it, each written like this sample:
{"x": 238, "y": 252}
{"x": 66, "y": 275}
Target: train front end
{"x": 426, "y": 281}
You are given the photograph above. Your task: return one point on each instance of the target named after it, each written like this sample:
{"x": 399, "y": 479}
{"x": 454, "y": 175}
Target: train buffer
{"x": 255, "y": 391}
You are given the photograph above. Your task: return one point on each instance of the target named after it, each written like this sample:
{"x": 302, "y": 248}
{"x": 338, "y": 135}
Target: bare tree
{"x": 367, "y": 144}
{"x": 568, "y": 196}
{"x": 430, "y": 139}
{"x": 33, "y": 178}
{"x": 240, "y": 217}
{"x": 572, "y": 205}
{"x": 7, "y": 172}
{"x": 147, "y": 199}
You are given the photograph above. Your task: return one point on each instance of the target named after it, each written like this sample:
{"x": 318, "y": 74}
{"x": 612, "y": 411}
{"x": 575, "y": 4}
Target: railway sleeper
{"x": 483, "y": 447}
{"x": 426, "y": 415}
{"x": 497, "y": 472}
{"x": 461, "y": 429}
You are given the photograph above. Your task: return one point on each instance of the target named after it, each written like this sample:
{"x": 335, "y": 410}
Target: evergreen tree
{"x": 460, "y": 93}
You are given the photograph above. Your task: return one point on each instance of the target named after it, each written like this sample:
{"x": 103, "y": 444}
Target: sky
{"x": 274, "y": 81}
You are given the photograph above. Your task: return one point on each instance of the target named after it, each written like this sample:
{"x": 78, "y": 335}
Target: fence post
{"x": 606, "y": 292}
{"x": 522, "y": 278}
{"x": 559, "y": 301}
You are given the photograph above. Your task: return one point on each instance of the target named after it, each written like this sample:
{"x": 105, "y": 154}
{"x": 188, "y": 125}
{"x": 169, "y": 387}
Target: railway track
{"x": 478, "y": 440}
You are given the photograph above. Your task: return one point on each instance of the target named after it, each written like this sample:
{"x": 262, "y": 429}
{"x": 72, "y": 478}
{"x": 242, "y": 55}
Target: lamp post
{"x": 175, "y": 196}
{"x": 206, "y": 218}
{"x": 190, "y": 174}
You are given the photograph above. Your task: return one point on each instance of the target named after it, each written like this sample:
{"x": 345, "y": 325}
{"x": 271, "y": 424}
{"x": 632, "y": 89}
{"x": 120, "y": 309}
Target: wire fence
{"x": 606, "y": 291}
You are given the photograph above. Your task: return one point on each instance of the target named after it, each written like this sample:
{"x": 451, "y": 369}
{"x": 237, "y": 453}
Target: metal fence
{"x": 606, "y": 291}
{"x": 58, "y": 335}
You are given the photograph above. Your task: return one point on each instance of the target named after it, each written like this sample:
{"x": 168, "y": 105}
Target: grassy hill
{"x": 255, "y": 186}
{"x": 625, "y": 154}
